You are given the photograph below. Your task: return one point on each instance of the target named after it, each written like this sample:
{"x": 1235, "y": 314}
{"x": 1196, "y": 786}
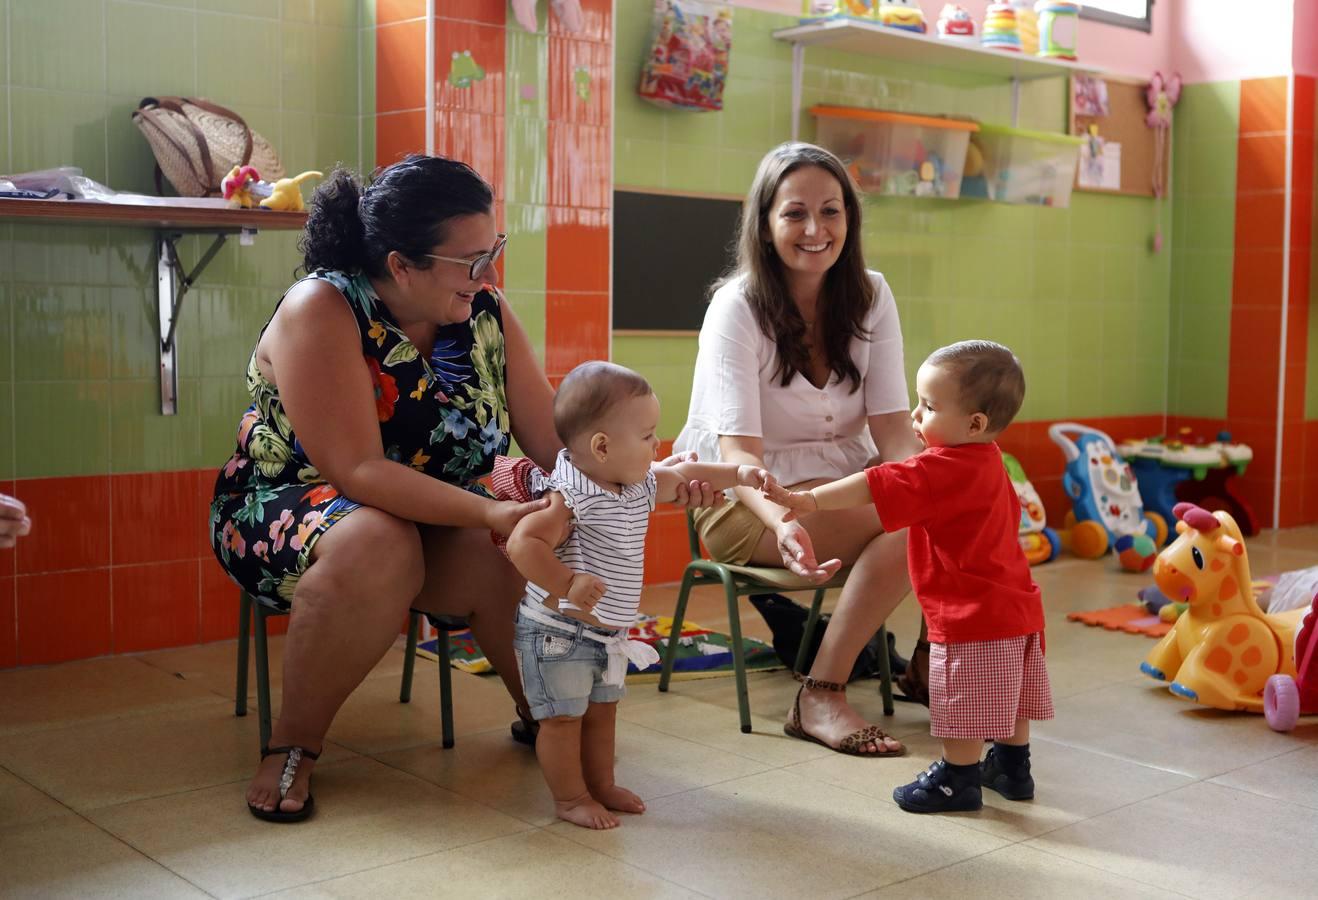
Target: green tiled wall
{"x": 1203, "y": 247}
{"x": 78, "y": 388}
{"x": 1076, "y": 292}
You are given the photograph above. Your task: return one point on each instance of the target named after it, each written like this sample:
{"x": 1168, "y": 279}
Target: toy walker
{"x": 1039, "y": 542}
{"x": 1285, "y": 699}
{"x": 1106, "y": 509}
{"x": 1175, "y": 471}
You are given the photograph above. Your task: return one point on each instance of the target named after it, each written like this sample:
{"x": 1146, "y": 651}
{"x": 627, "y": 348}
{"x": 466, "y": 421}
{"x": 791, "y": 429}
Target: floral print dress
{"x": 444, "y": 413}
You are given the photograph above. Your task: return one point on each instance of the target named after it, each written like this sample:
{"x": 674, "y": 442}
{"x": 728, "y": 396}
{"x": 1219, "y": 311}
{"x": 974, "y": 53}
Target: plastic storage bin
{"x": 897, "y": 154}
{"x": 1032, "y": 167}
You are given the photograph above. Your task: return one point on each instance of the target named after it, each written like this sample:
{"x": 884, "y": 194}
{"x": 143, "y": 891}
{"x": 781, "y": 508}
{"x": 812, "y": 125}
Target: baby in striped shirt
{"x": 583, "y": 557}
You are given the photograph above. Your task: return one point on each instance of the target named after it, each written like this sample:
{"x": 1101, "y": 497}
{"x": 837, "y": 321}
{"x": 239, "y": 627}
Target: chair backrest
{"x": 693, "y": 539}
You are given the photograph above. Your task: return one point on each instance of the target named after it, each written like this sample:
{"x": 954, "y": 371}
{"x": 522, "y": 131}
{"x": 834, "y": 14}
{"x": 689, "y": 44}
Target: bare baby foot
{"x": 586, "y": 812}
{"x": 619, "y": 799}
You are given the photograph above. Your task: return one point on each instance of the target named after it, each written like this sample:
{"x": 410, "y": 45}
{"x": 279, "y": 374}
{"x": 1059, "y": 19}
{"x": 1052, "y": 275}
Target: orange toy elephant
{"x": 1223, "y": 648}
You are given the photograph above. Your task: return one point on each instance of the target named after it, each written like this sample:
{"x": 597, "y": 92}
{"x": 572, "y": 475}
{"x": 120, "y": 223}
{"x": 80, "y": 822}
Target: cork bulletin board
{"x": 1124, "y": 124}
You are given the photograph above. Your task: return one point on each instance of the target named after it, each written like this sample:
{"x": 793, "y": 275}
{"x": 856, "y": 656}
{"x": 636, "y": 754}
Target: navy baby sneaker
{"x": 941, "y": 788}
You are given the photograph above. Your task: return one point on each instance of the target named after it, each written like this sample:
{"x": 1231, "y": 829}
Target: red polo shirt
{"x": 967, "y": 567}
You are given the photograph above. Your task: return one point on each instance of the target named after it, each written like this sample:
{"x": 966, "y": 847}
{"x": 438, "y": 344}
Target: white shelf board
{"x": 873, "y": 39}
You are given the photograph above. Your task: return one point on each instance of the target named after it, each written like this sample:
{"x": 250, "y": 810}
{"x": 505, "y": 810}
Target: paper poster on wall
{"x": 1100, "y": 165}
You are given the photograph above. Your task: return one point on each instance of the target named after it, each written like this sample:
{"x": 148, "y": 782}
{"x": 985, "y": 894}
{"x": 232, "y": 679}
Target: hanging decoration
{"x": 1161, "y": 95}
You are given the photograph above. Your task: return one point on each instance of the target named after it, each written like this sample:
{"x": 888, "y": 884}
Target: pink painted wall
{"x": 1306, "y": 38}
{"x": 1227, "y": 40}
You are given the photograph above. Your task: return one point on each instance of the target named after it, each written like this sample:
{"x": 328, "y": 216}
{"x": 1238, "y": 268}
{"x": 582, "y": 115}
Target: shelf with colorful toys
{"x": 952, "y": 60}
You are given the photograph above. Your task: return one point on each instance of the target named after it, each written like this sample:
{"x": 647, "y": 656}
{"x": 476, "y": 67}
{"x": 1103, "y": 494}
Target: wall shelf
{"x": 170, "y": 219}
{"x": 954, "y": 62}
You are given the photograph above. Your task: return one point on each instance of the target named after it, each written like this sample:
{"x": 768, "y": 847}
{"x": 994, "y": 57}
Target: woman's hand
{"x": 799, "y": 553}
{"x": 692, "y": 494}
{"x": 503, "y": 515}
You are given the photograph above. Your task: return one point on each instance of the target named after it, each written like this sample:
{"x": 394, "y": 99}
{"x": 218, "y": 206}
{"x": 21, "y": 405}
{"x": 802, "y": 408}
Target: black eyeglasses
{"x": 481, "y": 264}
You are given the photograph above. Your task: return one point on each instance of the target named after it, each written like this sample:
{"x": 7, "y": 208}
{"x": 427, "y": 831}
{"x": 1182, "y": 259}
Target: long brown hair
{"x": 847, "y": 293}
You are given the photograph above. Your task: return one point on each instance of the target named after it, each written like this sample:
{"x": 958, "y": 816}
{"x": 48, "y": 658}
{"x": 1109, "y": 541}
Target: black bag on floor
{"x": 786, "y": 619}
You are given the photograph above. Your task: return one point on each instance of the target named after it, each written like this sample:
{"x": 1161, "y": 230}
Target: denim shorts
{"x": 562, "y": 671}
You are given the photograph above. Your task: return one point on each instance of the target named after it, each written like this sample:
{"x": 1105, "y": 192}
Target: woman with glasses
{"x": 800, "y": 371}
{"x": 383, "y": 387}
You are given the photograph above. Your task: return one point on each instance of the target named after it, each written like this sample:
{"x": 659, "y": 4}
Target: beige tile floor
{"x": 124, "y": 777}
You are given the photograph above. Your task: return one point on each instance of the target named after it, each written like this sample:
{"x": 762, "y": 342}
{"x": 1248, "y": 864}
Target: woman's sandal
{"x": 851, "y": 744}
{"x": 525, "y": 728}
{"x": 295, "y": 757}
{"x": 914, "y": 682}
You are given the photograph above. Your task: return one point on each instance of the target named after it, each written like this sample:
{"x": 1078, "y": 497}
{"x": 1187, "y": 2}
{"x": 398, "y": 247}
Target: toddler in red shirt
{"x": 987, "y": 677}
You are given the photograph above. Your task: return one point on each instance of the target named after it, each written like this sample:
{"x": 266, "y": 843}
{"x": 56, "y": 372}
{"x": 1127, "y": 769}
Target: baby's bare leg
{"x": 597, "y": 750}
{"x": 558, "y": 747}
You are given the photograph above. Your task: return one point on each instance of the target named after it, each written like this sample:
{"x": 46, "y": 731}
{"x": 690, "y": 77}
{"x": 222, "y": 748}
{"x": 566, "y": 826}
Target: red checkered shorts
{"x": 978, "y": 689}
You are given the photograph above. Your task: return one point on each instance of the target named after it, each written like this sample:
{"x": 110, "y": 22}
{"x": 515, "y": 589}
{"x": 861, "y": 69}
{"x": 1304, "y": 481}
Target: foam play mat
{"x": 1131, "y": 618}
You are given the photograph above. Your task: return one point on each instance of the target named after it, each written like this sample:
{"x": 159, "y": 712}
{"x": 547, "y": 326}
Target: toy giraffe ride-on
{"x": 1223, "y": 648}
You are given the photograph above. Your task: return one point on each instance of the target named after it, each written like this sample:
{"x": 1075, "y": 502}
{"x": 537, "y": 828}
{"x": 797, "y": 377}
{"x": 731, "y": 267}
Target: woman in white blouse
{"x": 800, "y": 371}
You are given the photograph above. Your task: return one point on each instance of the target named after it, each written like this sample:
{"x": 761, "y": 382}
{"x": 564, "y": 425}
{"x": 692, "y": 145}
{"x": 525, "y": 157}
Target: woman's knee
{"x": 373, "y": 548}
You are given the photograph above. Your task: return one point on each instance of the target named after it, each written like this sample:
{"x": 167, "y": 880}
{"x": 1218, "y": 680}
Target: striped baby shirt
{"x": 607, "y": 539}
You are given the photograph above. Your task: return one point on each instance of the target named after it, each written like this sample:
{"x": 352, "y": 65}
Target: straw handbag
{"x": 197, "y": 142}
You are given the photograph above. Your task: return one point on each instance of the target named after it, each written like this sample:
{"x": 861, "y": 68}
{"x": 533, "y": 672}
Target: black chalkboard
{"x": 667, "y": 251}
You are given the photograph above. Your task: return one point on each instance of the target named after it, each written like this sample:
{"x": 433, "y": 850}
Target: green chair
{"x": 740, "y": 581}
{"x": 265, "y": 607}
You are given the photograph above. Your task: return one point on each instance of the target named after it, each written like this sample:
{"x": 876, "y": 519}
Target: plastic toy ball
{"x": 1136, "y": 552}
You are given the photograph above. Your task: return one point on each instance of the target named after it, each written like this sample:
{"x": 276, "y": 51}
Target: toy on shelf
{"x": 903, "y": 14}
{"x": 956, "y": 25}
{"x": 1286, "y": 698}
{"x": 240, "y": 187}
{"x": 818, "y": 10}
{"x": 1000, "y": 31}
{"x": 1105, "y": 499}
{"x": 1184, "y": 470}
{"x": 1223, "y": 648}
{"x": 243, "y": 188}
{"x": 1058, "y": 28}
{"x": 1027, "y": 26}
{"x": 1039, "y": 542}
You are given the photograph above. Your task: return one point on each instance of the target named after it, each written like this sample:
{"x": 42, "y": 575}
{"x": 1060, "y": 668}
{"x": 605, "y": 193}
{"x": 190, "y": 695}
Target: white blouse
{"x": 808, "y": 432}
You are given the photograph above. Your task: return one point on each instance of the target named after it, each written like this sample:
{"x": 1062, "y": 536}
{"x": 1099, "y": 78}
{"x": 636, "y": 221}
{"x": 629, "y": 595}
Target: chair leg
{"x": 262, "y": 675}
{"x": 445, "y": 688}
{"x": 674, "y": 635}
{"x": 885, "y": 672}
{"x": 738, "y": 660}
{"x": 409, "y": 656}
{"x": 807, "y": 635}
{"x": 244, "y": 639}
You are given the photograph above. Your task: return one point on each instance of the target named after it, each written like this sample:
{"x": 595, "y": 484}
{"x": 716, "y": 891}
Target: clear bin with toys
{"x": 1033, "y": 167}
{"x": 897, "y": 154}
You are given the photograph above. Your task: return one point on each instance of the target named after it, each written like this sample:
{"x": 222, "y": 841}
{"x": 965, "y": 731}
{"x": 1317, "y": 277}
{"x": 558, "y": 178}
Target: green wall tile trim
{"x": 142, "y": 440}
{"x": 76, "y": 442}
{"x": 57, "y": 45}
